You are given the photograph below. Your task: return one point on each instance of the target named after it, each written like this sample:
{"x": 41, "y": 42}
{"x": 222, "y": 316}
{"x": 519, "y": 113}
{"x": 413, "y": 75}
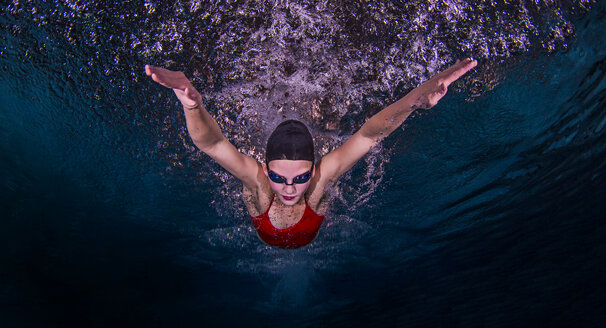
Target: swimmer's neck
{"x": 283, "y": 216}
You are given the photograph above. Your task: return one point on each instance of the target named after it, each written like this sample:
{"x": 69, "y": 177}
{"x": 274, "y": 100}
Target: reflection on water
{"x": 486, "y": 209}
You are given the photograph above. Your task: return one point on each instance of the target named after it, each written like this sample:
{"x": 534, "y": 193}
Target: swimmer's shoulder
{"x": 319, "y": 206}
{"x": 257, "y": 199}
{"x": 316, "y": 196}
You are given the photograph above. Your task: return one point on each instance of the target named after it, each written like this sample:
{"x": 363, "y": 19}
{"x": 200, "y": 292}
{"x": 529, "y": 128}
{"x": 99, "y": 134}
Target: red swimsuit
{"x": 300, "y": 234}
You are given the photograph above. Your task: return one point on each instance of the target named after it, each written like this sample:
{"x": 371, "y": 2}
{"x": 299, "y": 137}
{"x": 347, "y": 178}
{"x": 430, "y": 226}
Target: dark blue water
{"x": 487, "y": 210}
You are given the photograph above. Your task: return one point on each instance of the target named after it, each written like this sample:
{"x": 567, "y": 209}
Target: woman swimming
{"x": 285, "y": 195}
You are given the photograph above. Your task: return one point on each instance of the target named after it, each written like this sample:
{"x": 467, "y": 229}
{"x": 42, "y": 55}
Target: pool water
{"x": 487, "y": 210}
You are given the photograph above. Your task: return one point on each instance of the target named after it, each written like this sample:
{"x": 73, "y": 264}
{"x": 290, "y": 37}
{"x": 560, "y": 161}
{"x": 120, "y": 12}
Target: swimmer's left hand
{"x": 429, "y": 93}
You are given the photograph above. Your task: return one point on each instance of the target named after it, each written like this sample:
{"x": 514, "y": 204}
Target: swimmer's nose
{"x": 290, "y": 189}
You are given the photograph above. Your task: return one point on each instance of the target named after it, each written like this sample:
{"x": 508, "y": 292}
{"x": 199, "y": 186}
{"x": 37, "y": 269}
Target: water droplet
{"x": 476, "y": 88}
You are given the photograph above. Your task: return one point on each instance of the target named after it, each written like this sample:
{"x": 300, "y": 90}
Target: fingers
{"x": 167, "y": 78}
{"x": 165, "y": 81}
{"x": 458, "y": 69}
{"x": 152, "y": 72}
{"x": 157, "y": 79}
{"x": 149, "y": 70}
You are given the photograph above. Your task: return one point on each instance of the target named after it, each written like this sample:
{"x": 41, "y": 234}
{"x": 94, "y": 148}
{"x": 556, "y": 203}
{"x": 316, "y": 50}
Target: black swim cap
{"x": 290, "y": 140}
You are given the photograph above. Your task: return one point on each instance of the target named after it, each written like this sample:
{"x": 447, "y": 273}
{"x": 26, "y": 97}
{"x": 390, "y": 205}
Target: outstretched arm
{"x": 387, "y": 120}
{"x": 204, "y": 130}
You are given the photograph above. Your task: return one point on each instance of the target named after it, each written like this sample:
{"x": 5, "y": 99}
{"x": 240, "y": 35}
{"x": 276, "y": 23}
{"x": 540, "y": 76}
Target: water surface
{"x": 484, "y": 211}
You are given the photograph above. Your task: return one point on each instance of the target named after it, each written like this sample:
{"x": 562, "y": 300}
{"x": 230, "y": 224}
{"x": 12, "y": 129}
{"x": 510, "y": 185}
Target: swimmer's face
{"x": 289, "y": 193}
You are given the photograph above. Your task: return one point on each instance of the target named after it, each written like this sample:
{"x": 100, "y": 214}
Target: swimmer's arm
{"x": 204, "y": 130}
{"x": 389, "y": 119}
{"x": 202, "y": 127}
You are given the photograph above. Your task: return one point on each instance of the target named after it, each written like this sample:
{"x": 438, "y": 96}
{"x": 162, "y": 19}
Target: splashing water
{"x": 332, "y": 64}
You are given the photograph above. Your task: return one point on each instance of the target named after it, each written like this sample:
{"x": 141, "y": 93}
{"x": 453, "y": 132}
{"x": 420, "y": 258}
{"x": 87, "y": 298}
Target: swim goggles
{"x": 299, "y": 179}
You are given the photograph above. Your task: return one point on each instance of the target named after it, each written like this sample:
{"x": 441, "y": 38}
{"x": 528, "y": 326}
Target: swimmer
{"x": 285, "y": 195}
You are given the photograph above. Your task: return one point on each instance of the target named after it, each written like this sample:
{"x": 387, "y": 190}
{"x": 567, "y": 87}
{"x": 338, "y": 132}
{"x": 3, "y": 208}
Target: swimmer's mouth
{"x": 288, "y": 198}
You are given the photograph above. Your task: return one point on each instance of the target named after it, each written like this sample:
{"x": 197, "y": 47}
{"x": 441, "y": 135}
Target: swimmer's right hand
{"x": 187, "y": 94}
